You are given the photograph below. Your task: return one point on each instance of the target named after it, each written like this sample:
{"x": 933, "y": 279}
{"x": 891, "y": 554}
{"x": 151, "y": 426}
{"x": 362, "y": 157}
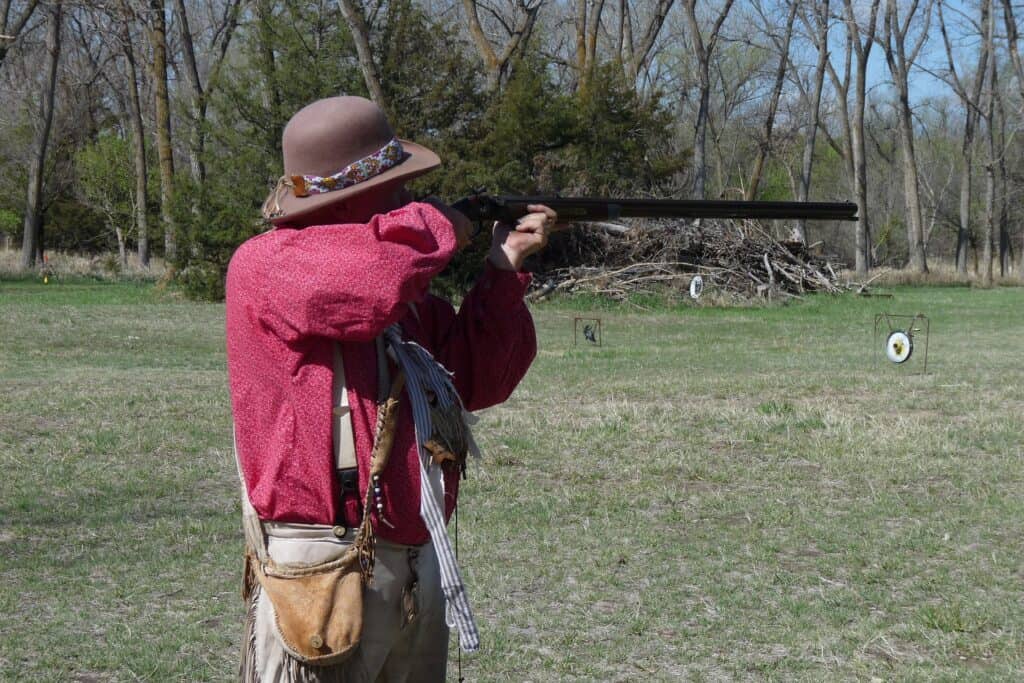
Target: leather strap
{"x": 344, "y": 441}
{"x": 254, "y": 537}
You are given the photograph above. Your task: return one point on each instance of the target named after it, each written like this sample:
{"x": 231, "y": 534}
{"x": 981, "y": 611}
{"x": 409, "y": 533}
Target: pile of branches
{"x": 745, "y": 259}
{"x": 737, "y": 259}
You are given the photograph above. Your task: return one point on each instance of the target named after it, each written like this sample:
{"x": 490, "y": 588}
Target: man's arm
{"x": 345, "y": 282}
{"x": 490, "y": 344}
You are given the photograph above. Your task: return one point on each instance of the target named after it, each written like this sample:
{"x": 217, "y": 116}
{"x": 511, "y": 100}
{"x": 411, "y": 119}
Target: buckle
{"x": 349, "y": 479}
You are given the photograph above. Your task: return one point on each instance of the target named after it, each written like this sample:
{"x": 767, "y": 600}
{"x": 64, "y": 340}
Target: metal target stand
{"x": 900, "y": 332}
{"x": 591, "y": 331}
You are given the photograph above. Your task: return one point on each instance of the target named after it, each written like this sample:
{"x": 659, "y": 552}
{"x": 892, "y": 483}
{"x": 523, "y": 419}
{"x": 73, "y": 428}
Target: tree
{"x": 518, "y": 28}
{"x": 360, "y": 31}
{"x": 11, "y": 27}
{"x": 702, "y": 50}
{"x": 971, "y": 101}
{"x": 988, "y": 114}
{"x": 819, "y": 35}
{"x": 134, "y": 115}
{"x": 901, "y": 57}
{"x": 1012, "y": 39}
{"x": 432, "y": 86}
{"x": 200, "y": 93}
{"x": 157, "y": 29}
{"x": 636, "y": 53}
{"x": 105, "y": 184}
{"x": 31, "y": 244}
{"x": 1005, "y": 245}
{"x": 764, "y": 144}
{"x": 858, "y": 44}
{"x": 588, "y": 23}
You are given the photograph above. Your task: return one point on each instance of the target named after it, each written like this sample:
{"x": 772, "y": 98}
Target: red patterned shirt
{"x": 292, "y": 293}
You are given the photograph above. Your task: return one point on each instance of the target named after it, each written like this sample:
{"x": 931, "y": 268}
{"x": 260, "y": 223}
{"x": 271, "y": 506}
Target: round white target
{"x": 696, "y": 287}
{"x": 899, "y": 346}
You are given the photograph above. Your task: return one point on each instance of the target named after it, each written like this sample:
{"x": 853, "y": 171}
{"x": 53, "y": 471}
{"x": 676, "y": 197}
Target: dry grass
{"x": 940, "y": 273}
{"x": 66, "y": 265}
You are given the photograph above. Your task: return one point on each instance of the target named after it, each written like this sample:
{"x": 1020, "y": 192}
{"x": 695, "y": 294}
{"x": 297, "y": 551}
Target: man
{"x": 328, "y": 318}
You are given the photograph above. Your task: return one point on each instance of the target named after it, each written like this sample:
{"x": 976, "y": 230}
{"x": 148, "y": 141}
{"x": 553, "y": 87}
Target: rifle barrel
{"x": 584, "y": 209}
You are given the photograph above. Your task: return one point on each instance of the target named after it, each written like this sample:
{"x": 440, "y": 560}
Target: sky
{"x": 924, "y": 85}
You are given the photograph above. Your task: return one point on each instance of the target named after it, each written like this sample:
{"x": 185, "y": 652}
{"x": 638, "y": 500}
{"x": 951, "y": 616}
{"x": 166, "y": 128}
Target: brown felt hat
{"x": 328, "y": 136}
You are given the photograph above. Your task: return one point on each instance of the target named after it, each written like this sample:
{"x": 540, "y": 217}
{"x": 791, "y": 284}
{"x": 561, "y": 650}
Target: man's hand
{"x": 460, "y": 224}
{"x": 510, "y": 245}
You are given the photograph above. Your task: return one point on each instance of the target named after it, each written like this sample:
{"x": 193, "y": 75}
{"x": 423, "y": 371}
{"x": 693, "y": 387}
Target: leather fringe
{"x": 247, "y": 672}
{"x": 294, "y": 670}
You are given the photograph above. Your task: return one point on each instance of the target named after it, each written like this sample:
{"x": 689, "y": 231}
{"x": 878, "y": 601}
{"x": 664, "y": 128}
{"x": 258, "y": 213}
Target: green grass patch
{"x": 713, "y": 494}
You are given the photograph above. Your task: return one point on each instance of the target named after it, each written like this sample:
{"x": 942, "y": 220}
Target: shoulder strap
{"x": 254, "y": 537}
{"x": 344, "y": 442}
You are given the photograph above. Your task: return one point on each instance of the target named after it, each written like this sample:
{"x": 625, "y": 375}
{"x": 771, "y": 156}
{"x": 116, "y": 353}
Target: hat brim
{"x": 418, "y": 160}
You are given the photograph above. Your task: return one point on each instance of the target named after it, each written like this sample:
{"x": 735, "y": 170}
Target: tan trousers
{"x": 393, "y": 649}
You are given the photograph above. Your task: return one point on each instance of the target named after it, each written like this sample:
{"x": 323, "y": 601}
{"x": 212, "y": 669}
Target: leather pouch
{"x": 318, "y": 606}
{"x": 318, "y": 609}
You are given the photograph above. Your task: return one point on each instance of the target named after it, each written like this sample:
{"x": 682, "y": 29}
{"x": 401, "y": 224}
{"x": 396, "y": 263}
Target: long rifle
{"x": 484, "y": 207}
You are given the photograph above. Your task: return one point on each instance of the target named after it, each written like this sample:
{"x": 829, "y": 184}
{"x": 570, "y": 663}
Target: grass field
{"x": 740, "y": 494}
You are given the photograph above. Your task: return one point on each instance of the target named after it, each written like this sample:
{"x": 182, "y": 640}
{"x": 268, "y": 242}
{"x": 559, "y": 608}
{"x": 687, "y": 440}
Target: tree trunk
{"x": 165, "y": 153}
{"x": 990, "y": 162}
{"x": 702, "y": 51}
{"x": 32, "y": 241}
{"x": 268, "y": 66}
{"x": 483, "y": 45}
{"x": 963, "y": 232}
{"x": 581, "y": 42}
{"x": 12, "y": 29}
{"x": 858, "y": 149}
{"x": 637, "y": 55}
{"x": 138, "y": 144}
{"x": 900, "y": 59}
{"x": 970, "y": 102}
{"x": 361, "y": 37}
{"x": 519, "y": 36}
{"x": 807, "y": 163}
{"x": 1005, "y": 245}
{"x": 1003, "y": 197}
{"x": 122, "y": 249}
{"x": 624, "y": 41}
{"x": 773, "y": 104}
{"x": 592, "y": 26}
{"x": 197, "y": 102}
{"x": 862, "y": 258}
{"x": 1012, "y": 36}
{"x": 990, "y": 218}
{"x": 700, "y": 157}
{"x": 911, "y": 189}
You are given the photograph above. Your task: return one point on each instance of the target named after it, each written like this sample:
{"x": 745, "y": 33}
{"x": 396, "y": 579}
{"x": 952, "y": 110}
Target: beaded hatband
{"x": 388, "y": 156}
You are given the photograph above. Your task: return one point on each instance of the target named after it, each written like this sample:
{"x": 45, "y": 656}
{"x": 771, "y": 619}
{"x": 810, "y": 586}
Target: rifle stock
{"x": 508, "y": 209}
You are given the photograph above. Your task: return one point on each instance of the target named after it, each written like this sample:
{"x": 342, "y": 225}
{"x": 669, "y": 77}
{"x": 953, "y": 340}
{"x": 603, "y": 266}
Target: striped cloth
{"x": 422, "y": 372}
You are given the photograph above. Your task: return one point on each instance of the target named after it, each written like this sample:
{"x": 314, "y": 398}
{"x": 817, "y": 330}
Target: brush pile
{"x": 736, "y": 259}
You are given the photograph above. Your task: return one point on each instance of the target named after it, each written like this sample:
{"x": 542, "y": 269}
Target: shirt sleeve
{"x": 344, "y": 282}
{"x": 491, "y": 342}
